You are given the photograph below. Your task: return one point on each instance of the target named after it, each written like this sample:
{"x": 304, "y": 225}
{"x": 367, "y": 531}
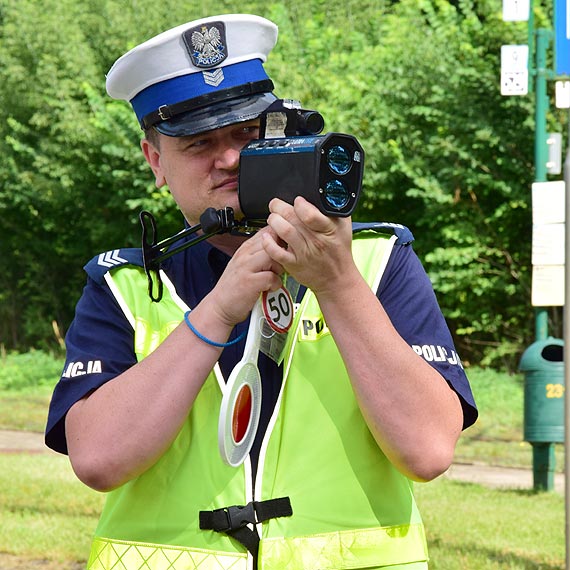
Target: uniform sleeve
{"x": 407, "y": 295}
{"x": 99, "y": 345}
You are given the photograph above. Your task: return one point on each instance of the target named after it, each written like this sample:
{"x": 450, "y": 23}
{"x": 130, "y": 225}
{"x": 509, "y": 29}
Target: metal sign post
{"x": 540, "y": 147}
{"x": 562, "y": 67}
{"x": 567, "y": 354}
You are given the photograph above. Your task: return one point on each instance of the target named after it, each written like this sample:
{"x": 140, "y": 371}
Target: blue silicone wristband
{"x": 206, "y": 339}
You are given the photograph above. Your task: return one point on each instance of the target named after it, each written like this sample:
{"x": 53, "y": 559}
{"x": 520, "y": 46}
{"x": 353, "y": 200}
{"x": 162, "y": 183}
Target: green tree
{"x": 455, "y": 160}
{"x": 416, "y": 81}
{"x": 446, "y": 154}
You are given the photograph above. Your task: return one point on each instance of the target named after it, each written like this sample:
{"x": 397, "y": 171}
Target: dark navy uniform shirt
{"x": 100, "y": 339}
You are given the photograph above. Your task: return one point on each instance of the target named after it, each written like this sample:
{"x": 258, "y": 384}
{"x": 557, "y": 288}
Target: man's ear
{"x": 152, "y": 156}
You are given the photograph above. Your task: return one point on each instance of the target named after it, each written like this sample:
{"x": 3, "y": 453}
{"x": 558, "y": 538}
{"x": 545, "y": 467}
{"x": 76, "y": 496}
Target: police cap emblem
{"x": 206, "y": 44}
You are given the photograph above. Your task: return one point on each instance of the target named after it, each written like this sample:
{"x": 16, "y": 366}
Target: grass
{"x": 497, "y": 436}
{"x": 46, "y": 512}
{"x": 25, "y": 410}
{"x": 19, "y": 371}
{"x": 471, "y": 527}
{"x": 26, "y": 384}
{"x": 48, "y": 515}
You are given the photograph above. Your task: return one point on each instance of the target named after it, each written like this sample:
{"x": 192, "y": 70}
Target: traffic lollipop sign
{"x": 241, "y": 400}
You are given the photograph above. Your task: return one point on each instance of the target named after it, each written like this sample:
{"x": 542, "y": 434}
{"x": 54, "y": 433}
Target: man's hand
{"x": 250, "y": 272}
{"x": 312, "y": 247}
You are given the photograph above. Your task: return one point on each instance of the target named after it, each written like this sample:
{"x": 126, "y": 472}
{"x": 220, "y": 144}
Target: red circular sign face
{"x": 241, "y": 414}
{"x": 278, "y": 309}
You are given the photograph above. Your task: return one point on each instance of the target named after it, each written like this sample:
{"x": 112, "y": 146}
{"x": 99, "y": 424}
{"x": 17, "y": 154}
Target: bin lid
{"x": 543, "y": 354}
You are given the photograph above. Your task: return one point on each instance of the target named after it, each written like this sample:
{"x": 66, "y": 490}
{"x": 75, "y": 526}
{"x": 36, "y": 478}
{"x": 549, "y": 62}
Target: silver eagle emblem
{"x": 206, "y": 45}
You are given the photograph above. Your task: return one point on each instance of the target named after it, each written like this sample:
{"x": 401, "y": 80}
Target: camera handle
{"x": 212, "y": 222}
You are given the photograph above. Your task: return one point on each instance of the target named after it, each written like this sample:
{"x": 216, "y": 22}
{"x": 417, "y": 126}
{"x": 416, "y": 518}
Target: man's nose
{"x": 227, "y": 157}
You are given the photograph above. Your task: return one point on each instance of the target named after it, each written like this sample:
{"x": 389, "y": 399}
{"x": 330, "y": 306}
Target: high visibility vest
{"x": 351, "y": 507}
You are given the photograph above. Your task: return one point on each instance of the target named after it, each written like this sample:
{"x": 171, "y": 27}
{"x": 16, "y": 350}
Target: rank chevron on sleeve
{"x": 111, "y": 258}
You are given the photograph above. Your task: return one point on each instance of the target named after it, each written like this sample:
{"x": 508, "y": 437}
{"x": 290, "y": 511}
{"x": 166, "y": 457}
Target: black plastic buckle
{"x": 238, "y": 516}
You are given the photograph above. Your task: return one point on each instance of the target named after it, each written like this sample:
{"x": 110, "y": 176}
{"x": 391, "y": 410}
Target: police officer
{"x": 351, "y": 414}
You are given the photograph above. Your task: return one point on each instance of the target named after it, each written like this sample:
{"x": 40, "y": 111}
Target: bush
{"x": 29, "y": 370}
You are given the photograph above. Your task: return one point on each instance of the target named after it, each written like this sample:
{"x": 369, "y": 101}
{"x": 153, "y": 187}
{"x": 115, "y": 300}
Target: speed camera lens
{"x": 336, "y": 194}
{"x": 339, "y": 160}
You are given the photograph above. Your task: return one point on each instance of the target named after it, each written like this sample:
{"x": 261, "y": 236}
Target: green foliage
{"x": 73, "y": 178}
{"x": 415, "y": 81}
{"x": 446, "y": 154}
{"x": 450, "y": 166}
{"x": 29, "y": 370}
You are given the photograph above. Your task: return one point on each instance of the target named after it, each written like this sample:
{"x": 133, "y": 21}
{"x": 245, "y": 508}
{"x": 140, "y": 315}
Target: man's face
{"x": 201, "y": 170}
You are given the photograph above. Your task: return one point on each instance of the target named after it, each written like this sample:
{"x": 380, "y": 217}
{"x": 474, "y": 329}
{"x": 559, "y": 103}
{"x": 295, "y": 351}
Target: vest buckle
{"x": 238, "y": 516}
{"x": 233, "y": 520}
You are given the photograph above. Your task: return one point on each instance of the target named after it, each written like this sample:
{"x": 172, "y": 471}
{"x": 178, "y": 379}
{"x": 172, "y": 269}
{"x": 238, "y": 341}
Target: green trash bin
{"x": 543, "y": 366}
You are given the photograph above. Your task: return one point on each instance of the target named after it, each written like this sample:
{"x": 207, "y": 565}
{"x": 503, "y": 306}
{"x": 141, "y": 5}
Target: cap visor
{"x": 216, "y": 116}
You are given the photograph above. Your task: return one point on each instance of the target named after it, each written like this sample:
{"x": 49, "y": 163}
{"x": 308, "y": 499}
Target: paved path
{"x": 22, "y": 441}
{"x": 491, "y": 476}
{"x": 498, "y": 477}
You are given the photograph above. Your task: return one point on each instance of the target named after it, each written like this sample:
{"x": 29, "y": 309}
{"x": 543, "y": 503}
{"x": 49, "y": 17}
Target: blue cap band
{"x": 185, "y": 87}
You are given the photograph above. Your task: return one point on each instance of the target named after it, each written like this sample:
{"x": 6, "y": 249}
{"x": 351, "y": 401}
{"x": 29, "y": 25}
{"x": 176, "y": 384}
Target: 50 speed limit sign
{"x": 278, "y": 309}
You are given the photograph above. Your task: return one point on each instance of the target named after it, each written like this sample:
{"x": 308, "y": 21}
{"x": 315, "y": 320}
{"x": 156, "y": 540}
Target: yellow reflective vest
{"x": 351, "y": 507}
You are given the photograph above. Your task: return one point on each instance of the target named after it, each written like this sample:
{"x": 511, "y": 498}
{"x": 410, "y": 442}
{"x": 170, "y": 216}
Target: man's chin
{"x": 237, "y": 213}
{"x": 232, "y": 203}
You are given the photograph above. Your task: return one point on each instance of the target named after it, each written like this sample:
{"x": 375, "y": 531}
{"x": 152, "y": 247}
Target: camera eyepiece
{"x": 310, "y": 122}
{"x": 286, "y": 118}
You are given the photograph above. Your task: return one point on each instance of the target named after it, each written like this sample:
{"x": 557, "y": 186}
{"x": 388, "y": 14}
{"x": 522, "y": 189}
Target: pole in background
{"x": 543, "y": 457}
{"x": 566, "y": 335}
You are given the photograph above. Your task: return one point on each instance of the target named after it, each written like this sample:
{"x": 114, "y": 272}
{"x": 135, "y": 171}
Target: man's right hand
{"x": 249, "y": 272}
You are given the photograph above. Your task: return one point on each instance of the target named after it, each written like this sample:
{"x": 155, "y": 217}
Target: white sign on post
{"x": 548, "y": 241}
{"x": 514, "y": 70}
{"x": 547, "y": 286}
{"x": 548, "y": 244}
{"x": 562, "y": 94}
{"x": 516, "y": 10}
{"x": 548, "y": 202}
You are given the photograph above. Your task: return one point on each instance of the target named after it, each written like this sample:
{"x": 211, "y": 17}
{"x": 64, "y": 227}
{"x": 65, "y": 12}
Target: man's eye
{"x": 197, "y": 143}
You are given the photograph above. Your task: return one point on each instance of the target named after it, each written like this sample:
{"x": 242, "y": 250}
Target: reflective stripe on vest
{"x": 360, "y": 548}
{"x": 340, "y": 519}
{"x": 123, "y": 555}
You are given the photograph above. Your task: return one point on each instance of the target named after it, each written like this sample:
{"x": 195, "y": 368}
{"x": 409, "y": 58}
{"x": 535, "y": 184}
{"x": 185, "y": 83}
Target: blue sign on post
{"x": 562, "y": 36}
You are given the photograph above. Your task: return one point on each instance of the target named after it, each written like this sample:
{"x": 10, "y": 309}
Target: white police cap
{"x": 199, "y": 76}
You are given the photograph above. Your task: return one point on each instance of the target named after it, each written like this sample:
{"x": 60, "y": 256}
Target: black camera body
{"x": 291, "y": 159}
